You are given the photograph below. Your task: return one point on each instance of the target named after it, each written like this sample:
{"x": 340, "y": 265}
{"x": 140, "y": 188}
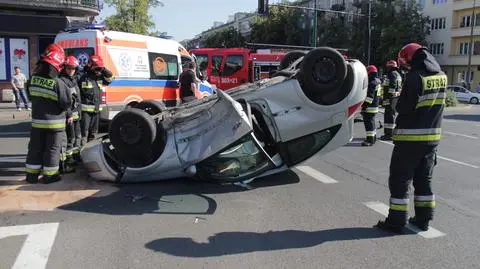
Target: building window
{"x": 436, "y": 48}
{"x": 465, "y": 21}
{"x": 438, "y": 23}
{"x": 464, "y": 48}
{"x": 437, "y": 2}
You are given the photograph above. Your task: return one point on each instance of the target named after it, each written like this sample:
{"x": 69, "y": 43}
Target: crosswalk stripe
{"x": 316, "y": 174}
{"x": 382, "y": 208}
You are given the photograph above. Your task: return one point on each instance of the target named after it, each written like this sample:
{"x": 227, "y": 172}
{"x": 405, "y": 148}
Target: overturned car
{"x": 250, "y": 131}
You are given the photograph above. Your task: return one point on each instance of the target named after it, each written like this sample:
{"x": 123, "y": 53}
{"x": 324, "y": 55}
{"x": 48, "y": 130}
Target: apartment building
{"x": 451, "y": 25}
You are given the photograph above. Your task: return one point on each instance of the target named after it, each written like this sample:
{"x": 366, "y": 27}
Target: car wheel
{"x": 152, "y": 107}
{"x": 132, "y": 132}
{"x": 290, "y": 58}
{"x": 323, "y": 70}
{"x": 474, "y": 100}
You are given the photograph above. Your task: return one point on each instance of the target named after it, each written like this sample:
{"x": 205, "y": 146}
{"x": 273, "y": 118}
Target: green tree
{"x": 225, "y": 38}
{"x": 132, "y": 16}
{"x": 281, "y": 26}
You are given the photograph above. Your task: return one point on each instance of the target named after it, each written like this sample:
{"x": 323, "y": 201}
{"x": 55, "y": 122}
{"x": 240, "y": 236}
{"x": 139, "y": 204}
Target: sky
{"x": 183, "y": 19}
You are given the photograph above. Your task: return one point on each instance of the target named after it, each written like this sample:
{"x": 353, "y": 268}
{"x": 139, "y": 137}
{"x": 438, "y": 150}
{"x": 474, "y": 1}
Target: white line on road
{"x": 36, "y": 248}
{"x": 383, "y": 209}
{"x": 443, "y": 158}
{"x": 457, "y": 134}
{"x": 316, "y": 174}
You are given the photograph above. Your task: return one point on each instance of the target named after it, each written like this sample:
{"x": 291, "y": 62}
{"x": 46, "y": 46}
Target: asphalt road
{"x": 319, "y": 215}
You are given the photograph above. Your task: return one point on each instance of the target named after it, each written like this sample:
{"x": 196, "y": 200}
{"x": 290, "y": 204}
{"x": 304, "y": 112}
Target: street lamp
{"x": 470, "y": 48}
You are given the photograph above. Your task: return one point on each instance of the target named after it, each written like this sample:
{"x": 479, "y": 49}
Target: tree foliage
{"x": 132, "y": 16}
{"x": 225, "y": 38}
{"x": 281, "y": 26}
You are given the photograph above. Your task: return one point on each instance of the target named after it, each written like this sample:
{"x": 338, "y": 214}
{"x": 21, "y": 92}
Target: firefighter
{"x": 392, "y": 86}
{"x": 91, "y": 85}
{"x": 50, "y": 101}
{"x": 416, "y": 137}
{"x": 370, "y": 106}
{"x": 73, "y": 131}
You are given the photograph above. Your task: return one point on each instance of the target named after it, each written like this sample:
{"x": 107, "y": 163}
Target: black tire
{"x": 152, "y": 107}
{"x": 323, "y": 70}
{"x": 474, "y": 100}
{"x": 132, "y": 132}
{"x": 290, "y": 58}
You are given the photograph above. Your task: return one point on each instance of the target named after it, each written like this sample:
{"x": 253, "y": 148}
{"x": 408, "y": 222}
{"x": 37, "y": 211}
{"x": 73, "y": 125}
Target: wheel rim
{"x": 130, "y": 133}
{"x": 324, "y": 70}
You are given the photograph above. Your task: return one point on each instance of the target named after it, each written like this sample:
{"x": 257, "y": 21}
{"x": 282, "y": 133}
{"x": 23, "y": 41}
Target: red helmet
{"x": 95, "y": 61}
{"x": 392, "y": 64}
{"x": 372, "y": 69}
{"x": 54, "y": 55}
{"x": 406, "y": 53}
{"x": 71, "y": 61}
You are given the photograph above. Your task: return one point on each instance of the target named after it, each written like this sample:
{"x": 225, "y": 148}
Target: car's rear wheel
{"x": 152, "y": 107}
{"x": 474, "y": 100}
{"x": 132, "y": 132}
{"x": 290, "y": 58}
{"x": 323, "y": 70}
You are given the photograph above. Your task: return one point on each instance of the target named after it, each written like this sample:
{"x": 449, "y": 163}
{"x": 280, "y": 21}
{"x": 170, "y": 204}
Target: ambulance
{"x": 144, "y": 67}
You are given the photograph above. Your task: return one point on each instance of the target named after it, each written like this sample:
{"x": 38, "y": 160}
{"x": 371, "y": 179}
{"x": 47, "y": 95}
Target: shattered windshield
{"x": 244, "y": 159}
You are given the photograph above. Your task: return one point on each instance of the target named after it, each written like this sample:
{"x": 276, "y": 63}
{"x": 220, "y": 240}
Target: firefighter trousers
{"x": 411, "y": 162}
{"x": 44, "y": 151}
{"x": 389, "y": 116}
{"x": 89, "y": 126}
{"x": 370, "y": 128}
{"x": 74, "y": 138}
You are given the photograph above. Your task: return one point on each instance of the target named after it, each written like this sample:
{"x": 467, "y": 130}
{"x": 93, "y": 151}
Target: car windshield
{"x": 244, "y": 159}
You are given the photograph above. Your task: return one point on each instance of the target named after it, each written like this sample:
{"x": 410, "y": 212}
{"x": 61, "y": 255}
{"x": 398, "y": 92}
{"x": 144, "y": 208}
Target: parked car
{"x": 464, "y": 95}
{"x": 250, "y": 131}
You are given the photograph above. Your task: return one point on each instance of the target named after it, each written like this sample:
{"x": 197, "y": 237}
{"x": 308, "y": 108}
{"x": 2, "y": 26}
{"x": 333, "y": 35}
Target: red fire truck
{"x": 230, "y": 67}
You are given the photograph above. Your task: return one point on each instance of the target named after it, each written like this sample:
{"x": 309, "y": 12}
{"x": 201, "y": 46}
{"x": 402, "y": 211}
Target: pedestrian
{"x": 370, "y": 106}
{"x": 91, "y": 84}
{"x": 416, "y": 137}
{"x": 73, "y": 131}
{"x": 18, "y": 83}
{"x": 188, "y": 82}
{"x": 50, "y": 101}
{"x": 391, "y": 90}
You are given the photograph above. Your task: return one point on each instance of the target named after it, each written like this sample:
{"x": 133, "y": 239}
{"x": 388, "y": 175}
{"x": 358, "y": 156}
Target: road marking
{"x": 443, "y": 158}
{"x": 36, "y": 248}
{"x": 316, "y": 174}
{"x": 383, "y": 209}
{"x": 457, "y": 134}
{"x": 13, "y": 133}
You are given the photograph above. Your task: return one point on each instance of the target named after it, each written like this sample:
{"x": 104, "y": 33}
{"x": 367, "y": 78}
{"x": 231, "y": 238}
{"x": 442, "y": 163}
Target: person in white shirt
{"x": 18, "y": 83}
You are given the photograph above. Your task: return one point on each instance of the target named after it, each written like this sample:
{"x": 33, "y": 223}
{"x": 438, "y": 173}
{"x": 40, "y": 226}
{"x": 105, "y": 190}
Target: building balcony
{"x": 456, "y": 59}
{"x": 464, "y": 4}
{"x": 79, "y": 8}
{"x": 465, "y": 31}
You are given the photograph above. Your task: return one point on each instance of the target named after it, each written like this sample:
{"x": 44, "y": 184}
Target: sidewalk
{"x": 9, "y": 113}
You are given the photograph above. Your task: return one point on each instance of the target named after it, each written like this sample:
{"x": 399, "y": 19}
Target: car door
{"x": 216, "y": 62}
{"x": 234, "y": 71}
{"x": 462, "y": 94}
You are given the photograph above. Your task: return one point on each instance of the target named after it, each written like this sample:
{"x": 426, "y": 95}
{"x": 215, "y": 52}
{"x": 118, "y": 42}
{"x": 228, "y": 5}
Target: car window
{"x": 232, "y": 64}
{"x": 216, "y": 63}
{"x": 202, "y": 62}
{"x": 163, "y": 66}
{"x": 242, "y": 160}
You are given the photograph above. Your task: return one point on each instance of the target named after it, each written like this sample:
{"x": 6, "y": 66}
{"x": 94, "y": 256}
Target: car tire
{"x": 152, "y": 107}
{"x": 474, "y": 100}
{"x": 290, "y": 58}
{"x": 323, "y": 70}
{"x": 132, "y": 132}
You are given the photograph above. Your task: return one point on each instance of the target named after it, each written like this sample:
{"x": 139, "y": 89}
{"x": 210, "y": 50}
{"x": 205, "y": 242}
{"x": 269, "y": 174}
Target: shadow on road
{"x": 230, "y": 243}
{"x": 464, "y": 117}
{"x": 167, "y": 197}
{"x": 11, "y": 165}
{"x": 15, "y": 129}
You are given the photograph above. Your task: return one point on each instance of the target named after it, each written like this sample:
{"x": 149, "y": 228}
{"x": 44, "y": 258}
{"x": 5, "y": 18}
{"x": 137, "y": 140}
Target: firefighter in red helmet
{"x": 392, "y": 87}
{"x": 370, "y": 106}
{"x": 416, "y": 137}
{"x": 71, "y": 145}
{"x": 95, "y": 76}
{"x": 50, "y": 101}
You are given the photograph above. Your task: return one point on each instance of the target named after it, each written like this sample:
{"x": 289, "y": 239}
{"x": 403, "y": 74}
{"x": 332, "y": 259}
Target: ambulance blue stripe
{"x": 144, "y": 83}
